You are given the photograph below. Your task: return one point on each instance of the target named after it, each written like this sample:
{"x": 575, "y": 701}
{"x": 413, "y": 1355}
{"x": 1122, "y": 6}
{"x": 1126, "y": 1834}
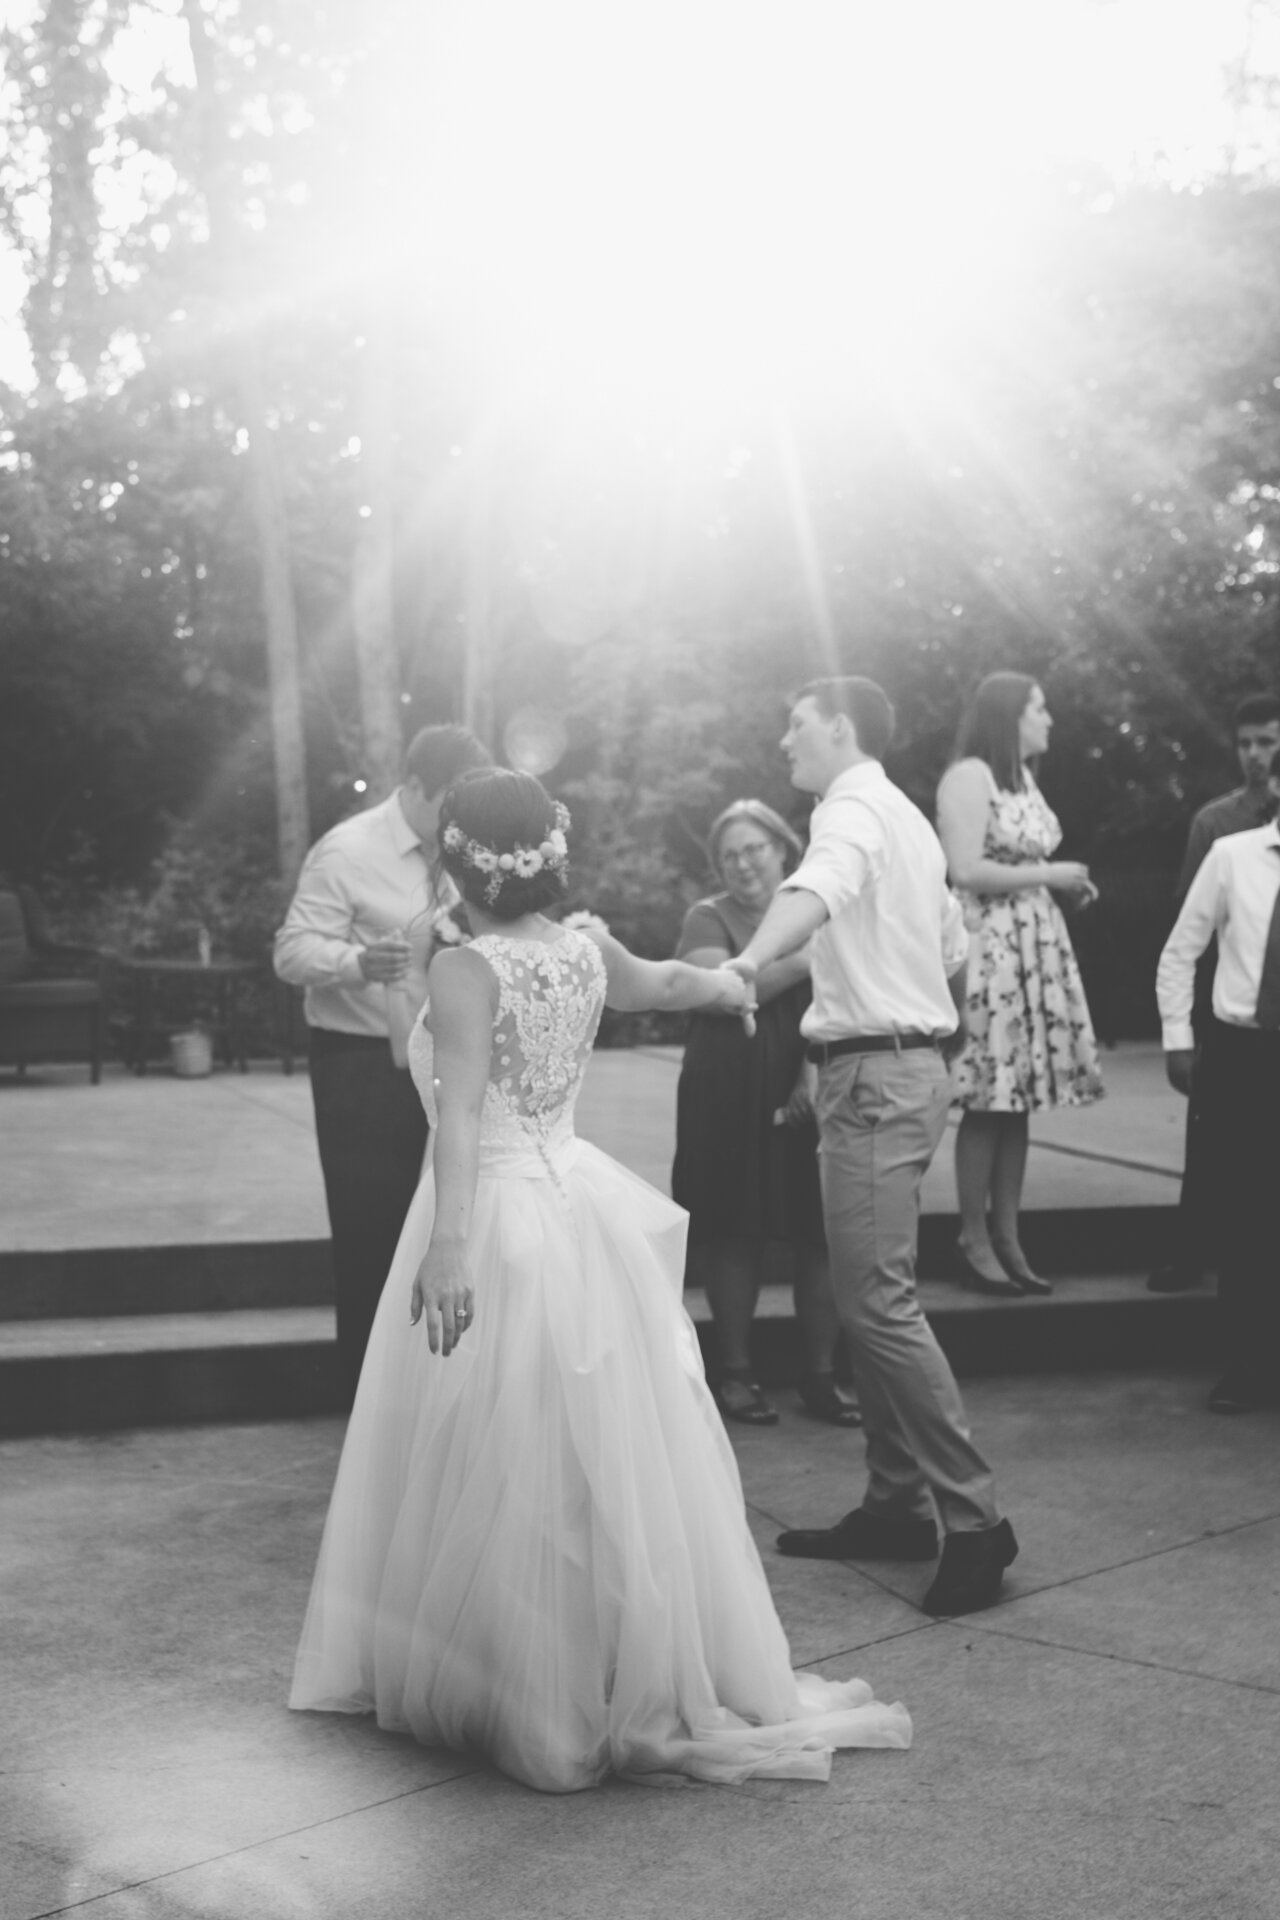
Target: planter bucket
{"x": 191, "y": 1055}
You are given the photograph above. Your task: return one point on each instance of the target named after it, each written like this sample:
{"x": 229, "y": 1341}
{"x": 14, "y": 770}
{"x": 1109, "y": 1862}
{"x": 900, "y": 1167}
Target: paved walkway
{"x": 1102, "y": 1746}
{"x": 165, "y": 1162}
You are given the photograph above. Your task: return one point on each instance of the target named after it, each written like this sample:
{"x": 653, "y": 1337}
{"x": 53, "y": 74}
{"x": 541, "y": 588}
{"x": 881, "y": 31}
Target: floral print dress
{"x": 1031, "y": 1044}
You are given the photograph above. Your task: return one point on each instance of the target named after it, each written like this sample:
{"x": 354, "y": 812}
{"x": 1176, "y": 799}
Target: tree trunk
{"x": 477, "y": 631}
{"x": 279, "y": 604}
{"x": 280, "y": 625}
{"x": 373, "y": 575}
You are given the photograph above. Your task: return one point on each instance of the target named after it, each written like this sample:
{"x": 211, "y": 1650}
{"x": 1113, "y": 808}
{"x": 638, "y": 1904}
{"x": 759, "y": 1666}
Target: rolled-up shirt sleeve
{"x": 847, "y": 852}
{"x": 955, "y": 935}
{"x": 315, "y": 946}
{"x": 1201, "y": 917}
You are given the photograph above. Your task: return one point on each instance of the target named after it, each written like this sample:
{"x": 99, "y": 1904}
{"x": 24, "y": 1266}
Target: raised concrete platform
{"x": 1104, "y": 1745}
{"x": 164, "y": 1253}
{"x": 231, "y": 1160}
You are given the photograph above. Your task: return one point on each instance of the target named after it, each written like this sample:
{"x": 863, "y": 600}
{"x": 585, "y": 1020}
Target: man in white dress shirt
{"x": 888, "y": 963}
{"x": 1235, "y": 895}
{"x": 343, "y": 940}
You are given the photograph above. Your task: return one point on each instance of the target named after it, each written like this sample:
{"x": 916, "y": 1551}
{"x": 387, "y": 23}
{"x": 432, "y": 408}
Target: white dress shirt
{"x": 896, "y": 932}
{"x": 368, "y": 877}
{"x": 1232, "y": 896}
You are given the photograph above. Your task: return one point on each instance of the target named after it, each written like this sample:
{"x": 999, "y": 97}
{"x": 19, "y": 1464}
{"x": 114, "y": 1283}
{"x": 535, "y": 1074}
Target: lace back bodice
{"x": 549, "y": 1003}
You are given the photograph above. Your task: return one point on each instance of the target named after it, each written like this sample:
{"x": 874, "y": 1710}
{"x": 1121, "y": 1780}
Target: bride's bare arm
{"x": 462, "y": 1008}
{"x": 667, "y": 986}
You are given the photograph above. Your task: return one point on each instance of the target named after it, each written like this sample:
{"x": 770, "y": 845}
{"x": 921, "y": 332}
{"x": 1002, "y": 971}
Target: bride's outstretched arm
{"x": 462, "y": 1007}
{"x": 668, "y": 986}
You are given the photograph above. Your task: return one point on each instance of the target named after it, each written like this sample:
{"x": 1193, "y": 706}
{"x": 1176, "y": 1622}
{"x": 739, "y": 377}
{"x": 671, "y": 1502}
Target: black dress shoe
{"x": 862, "y": 1536}
{"x": 824, "y": 1400}
{"x": 970, "y": 1570}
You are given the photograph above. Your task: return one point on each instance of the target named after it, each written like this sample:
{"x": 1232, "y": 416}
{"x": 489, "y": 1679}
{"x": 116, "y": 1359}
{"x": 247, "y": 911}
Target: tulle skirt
{"x": 537, "y": 1548}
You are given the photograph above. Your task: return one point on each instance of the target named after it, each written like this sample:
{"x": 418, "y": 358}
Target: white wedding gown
{"x": 537, "y": 1549}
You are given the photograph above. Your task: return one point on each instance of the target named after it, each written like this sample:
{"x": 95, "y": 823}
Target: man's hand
{"x": 386, "y": 960}
{"x": 1179, "y": 1066}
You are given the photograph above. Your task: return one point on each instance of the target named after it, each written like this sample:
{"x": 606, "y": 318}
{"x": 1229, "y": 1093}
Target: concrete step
{"x": 88, "y": 1373}
{"x": 100, "y": 1281}
{"x": 97, "y": 1282}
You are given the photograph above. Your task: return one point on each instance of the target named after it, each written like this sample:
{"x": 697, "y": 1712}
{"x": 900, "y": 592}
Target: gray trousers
{"x": 881, "y": 1116}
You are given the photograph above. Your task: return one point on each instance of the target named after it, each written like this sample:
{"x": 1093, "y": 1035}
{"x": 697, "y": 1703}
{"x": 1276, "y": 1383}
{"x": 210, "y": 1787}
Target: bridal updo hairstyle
{"x": 502, "y": 811}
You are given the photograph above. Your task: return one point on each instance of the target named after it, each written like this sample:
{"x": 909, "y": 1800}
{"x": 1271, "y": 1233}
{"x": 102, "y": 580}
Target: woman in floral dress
{"x": 1030, "y": 1044}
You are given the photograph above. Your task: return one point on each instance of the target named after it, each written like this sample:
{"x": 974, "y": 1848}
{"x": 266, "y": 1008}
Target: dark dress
{"x": 739, "y": 1176}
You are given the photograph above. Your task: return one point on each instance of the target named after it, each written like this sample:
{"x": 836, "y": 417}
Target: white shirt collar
{"x": 403, "y": 837}
{"x": 866, "y": 773}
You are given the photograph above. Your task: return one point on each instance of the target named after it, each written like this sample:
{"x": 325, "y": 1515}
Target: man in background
{"x": 1257, "y": 736}
{"x": 343, "y": 939}
{"x": 1234, "y": 1073}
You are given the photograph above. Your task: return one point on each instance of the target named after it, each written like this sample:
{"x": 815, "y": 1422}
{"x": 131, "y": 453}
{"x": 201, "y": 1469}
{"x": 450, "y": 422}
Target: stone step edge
{"x": 274, "y": 1326}
{"x": 81, "y": 1376}
{"x": 93, "y": 1282}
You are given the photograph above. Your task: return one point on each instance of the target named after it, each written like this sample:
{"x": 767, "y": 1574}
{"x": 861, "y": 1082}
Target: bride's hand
{"x": 442, "y": 1292}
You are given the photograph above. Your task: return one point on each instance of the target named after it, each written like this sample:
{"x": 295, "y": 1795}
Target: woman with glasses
{"x": 746, "y": 1164}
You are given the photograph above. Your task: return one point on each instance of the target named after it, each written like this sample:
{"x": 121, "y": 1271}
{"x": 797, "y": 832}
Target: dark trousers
{"x": 1195, "y": 1248}
{"x": 372, "y": 1135}
{"x": 1239, "y": 1088}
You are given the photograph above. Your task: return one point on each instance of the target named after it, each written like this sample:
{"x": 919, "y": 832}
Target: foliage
{"x": 1090, "y": 492}
{"x": 229, "y": 892}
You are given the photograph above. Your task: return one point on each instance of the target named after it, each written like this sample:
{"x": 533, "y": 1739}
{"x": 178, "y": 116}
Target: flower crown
{"x": 524, "y": 862}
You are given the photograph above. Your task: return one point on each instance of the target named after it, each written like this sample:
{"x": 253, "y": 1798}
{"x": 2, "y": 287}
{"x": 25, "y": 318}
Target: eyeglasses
{"x": 746, "y": 856}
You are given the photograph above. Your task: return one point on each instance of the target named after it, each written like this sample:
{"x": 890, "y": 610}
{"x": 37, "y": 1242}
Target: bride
{"x": 537, "y": 1548}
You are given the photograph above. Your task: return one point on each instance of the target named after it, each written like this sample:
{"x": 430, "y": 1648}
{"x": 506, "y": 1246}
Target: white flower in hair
{"x": 524, "y": 862}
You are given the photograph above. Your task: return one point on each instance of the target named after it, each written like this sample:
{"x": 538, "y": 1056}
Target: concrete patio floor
{"x": 1104, "y": 1745}
{"x": 165, "y": 1162}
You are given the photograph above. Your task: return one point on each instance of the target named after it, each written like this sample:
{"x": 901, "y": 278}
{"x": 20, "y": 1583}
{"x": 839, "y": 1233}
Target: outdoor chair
{"x": 52, "y": 996}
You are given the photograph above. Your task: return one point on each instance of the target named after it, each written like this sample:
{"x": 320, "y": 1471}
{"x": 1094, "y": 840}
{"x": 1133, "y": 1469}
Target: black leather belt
{"x": 822, "y": 1051}
{"x": 332, "y": 1040}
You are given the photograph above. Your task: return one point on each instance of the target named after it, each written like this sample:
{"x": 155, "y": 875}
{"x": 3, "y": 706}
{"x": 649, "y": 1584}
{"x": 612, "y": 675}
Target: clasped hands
{"x": 739, "y": 977}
